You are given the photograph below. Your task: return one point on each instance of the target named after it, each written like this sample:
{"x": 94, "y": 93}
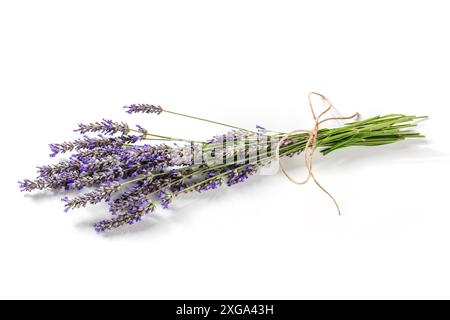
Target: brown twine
{"x": 311, "y": 144}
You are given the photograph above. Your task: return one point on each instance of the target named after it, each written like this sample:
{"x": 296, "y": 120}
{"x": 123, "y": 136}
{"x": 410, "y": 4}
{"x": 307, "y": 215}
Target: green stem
{"x": 165, "y": 137}
{"x": 206, "y": 120}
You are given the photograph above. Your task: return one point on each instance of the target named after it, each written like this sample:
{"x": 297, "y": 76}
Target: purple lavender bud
{"x": 213, "y": 184}
{"x": 143, "y": 108}
{"x": 261, "y": 130}
{"x": 165, "y": 204}
{"x": 102, "y": 193}
{"x": 106, "y": 126}
{"x": 143, "y": 131}
{"x": 134, "y": 138}
{"x": 240, "y": 176}
{"x": 123, "y": 219}
{"x": 91, "y": 143}
{"x": 29, "y": 185}
{"x": 209, "y": 185}
{"x": 160, "y": 195}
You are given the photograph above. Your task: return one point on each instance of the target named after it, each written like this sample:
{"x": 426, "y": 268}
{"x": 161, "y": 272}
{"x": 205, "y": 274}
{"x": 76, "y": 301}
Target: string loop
{"x": 311, "y": 144}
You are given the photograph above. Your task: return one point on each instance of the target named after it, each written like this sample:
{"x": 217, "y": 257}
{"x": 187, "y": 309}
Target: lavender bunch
{"x": 134, "y": 170}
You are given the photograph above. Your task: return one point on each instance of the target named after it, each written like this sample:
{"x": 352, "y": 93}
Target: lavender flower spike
{"x": 132, "y": 217}
{"x": 143, "y": 108}
{"x": 91, "y": 143}
{"x": 106, "y": 127}
{"x": 102, "y": 193}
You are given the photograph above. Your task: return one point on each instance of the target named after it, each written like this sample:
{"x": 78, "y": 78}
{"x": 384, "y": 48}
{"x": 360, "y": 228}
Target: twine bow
{"x": 311, "y": 144}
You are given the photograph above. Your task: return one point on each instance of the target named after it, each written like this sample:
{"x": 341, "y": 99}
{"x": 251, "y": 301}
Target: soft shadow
{"x": 405, "y": 152}
{"x": 49, "y": 194}
{"x": 182, "y": 210}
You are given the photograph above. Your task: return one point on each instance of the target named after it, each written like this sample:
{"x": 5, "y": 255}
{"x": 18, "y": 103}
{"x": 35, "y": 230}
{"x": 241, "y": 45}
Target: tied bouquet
{"x": 135, "y": 170}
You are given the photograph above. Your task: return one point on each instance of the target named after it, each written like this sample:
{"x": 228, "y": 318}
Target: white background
{"x": 248, "y": 63}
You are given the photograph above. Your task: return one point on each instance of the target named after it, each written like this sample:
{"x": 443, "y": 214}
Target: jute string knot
{"x": 311, "y": 144}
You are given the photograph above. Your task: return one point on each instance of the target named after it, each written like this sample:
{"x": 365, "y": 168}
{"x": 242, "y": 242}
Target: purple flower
{"x": 124, "y": 219}
{"x": 106, "y": 126}
{"x": 143, "y": 108}
{"x": 160, "y": 172}
{"x": 238, "y": 176}
{"x": 91, "y": 143}
{"x": 165, "y": 204}
{"x": 103, "y": 193}
{"x": 28, "y": 185}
